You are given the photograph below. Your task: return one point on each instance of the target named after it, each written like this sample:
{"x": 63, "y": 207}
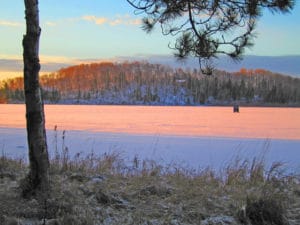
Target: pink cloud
{"x": 119, "y": 20}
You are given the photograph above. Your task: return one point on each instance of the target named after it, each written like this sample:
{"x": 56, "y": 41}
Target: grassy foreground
{"x": 106, "y": 190}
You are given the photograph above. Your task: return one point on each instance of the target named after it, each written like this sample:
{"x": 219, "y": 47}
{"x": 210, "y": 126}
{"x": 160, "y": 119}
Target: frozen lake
{"x": 194, "y": 136}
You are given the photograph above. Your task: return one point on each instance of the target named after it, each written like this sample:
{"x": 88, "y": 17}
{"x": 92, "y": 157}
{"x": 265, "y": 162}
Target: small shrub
{"x": 266, "y": 211}
{"x": 10, "y": 166}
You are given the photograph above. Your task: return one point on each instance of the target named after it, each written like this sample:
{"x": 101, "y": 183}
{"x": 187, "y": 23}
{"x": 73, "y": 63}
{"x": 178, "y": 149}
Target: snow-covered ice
{"x": 191, "y": 136}
{"x": 193, "y": 152}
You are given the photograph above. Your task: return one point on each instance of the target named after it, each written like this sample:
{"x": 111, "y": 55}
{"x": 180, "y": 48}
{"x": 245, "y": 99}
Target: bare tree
{"x": 37, "y": 179}
{"x": 207, "y": 28}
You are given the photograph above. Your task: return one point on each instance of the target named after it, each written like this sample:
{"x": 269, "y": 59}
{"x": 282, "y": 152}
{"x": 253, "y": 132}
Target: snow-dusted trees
{"x": 144, "y": 83}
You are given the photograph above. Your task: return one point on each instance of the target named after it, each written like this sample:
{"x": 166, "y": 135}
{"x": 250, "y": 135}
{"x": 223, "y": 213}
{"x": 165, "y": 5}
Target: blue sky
{"x": 108, "y": 29}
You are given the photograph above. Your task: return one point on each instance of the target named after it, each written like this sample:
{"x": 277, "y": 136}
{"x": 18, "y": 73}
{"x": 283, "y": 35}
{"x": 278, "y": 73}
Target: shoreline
{"x": 258, "y": 105}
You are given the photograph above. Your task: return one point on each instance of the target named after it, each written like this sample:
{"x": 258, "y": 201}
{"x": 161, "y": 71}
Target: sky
{"x": 75, "y": 31}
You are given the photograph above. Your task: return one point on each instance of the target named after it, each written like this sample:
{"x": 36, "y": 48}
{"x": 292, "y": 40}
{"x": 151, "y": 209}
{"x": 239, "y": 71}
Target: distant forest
{"x": 142, "y": 83}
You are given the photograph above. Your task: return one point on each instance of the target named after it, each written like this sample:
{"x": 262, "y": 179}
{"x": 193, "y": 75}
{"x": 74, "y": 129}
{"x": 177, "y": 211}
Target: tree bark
{"x": 38, "y": 177}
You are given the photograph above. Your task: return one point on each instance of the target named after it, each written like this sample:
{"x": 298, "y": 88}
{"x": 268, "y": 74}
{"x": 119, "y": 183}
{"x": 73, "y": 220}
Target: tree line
{"x": 154, "y": 84}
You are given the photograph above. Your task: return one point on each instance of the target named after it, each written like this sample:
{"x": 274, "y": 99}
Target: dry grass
{"x": 105, "y": 189}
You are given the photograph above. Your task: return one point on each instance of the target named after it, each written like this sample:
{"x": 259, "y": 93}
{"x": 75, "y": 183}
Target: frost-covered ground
{"x": 193, "y": 152}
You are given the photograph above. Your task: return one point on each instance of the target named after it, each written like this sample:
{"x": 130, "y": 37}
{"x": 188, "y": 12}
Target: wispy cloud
{"x": 50, "y": 24}
{"x": 118, "y": 20}
{"x": 54, "y": 59}
{"x": 96, "y": 20}
{"x": 12, "y": 65}
{"x": 7, "y": 23}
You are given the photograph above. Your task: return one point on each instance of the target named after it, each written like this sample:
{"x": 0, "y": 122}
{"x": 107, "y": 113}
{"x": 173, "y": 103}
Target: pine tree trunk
{"x": 38, "y": 178}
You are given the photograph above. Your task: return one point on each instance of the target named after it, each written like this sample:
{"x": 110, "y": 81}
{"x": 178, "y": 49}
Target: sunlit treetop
{"x": 206, "y": 29}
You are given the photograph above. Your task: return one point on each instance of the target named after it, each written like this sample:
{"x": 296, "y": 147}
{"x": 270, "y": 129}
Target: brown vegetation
{"x": 106, "y": 190}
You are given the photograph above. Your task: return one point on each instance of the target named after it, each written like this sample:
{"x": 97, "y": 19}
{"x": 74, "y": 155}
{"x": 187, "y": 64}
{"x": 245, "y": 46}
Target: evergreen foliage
{"x": 208, "y": 28}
